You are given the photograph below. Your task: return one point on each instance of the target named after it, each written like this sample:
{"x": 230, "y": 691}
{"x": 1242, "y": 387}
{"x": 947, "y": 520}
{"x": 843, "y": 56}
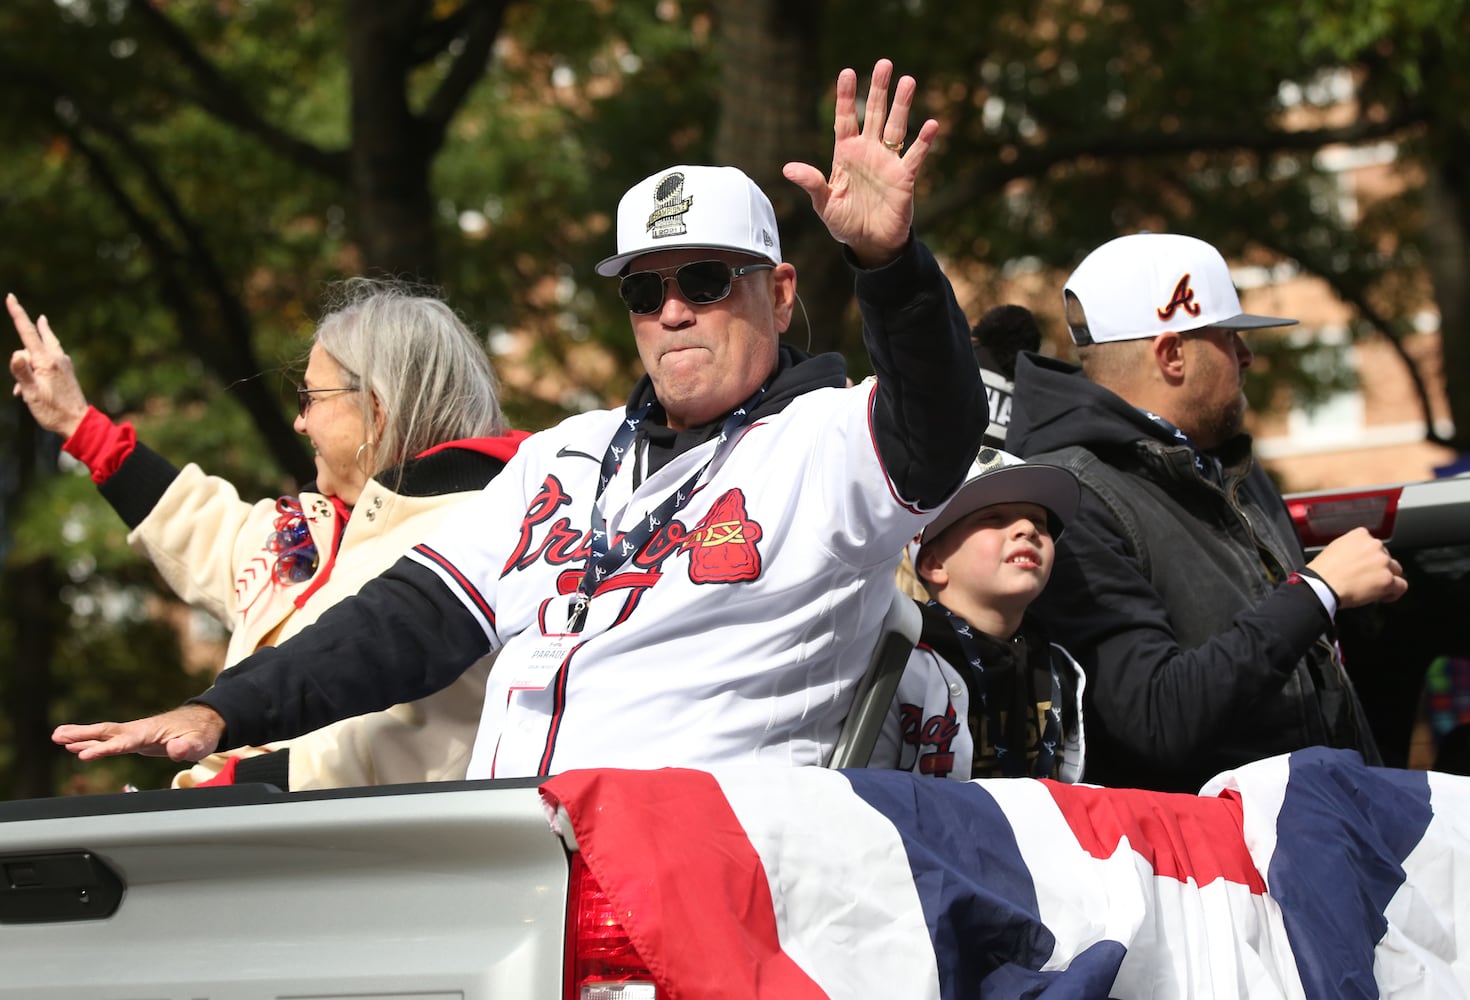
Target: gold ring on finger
{"x": 896, "y": 147}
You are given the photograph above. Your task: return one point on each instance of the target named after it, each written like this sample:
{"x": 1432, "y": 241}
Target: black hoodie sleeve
{"x": 402, "y": 637}
{"x": 929, "y": 413}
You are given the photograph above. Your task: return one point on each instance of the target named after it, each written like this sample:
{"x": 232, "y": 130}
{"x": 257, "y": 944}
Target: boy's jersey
{"x": 938, "y": 725}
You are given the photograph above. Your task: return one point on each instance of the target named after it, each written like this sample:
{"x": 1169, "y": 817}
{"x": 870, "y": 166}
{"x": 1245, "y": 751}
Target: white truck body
{"x": 449, "y": 892}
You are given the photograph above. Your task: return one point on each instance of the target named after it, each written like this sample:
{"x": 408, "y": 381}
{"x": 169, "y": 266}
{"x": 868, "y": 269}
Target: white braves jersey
{"x": 737, "y": 633}
{"x": 928, "y": 728}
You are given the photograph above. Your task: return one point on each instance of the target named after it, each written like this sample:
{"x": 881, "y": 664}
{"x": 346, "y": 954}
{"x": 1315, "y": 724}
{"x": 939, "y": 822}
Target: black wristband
{"x": 1318, "y": 577}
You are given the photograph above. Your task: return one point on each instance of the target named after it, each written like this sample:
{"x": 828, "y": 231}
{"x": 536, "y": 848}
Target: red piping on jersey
{"x": 495, "y": 757}
{"x": 629, "y": 606}
{"x": 558, "y": 709}
{"x": 887, "y": 479}
{"x": 468, "y": 588}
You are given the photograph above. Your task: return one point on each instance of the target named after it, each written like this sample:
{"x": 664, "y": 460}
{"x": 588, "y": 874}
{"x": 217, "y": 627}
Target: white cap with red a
{"x": 1139, "y": 286}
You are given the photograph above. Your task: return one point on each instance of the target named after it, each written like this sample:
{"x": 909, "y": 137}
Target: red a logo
{"x": 1183, "y": 298}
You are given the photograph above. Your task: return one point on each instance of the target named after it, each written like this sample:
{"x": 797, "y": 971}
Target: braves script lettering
{"x": 722, "y": 547}
{"x": 931, "y": 738}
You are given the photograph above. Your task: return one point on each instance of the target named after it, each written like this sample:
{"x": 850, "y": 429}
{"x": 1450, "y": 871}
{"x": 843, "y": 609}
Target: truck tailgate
{"x": 449, "y": 891}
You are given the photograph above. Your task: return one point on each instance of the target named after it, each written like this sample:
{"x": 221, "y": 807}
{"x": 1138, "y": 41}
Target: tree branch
{"x": 1035, "y": 161}
{"x": 1384, "y": 328}
{"x": 196, "y": 248}
{"x": 237, "y": 355}
{"x": 219, "y": 97}
{"x": 480, "y": 28}
{"x": 165, "y": 257}
{"x": 436, "y": 36}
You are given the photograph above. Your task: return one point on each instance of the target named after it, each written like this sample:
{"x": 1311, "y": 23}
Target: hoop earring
{"x": 357, "y": 457}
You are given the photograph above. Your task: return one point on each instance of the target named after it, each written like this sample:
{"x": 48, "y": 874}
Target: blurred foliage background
{"x": 181, "y": 179}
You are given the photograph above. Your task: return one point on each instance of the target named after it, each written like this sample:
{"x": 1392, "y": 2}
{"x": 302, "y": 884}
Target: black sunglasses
{"x": 701, "y": 282}
{"x": 304, "y": 397}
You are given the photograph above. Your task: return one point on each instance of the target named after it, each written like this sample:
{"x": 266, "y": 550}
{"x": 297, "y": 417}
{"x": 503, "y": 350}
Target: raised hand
{"x": 43, "y": 374}
{"x": 191, "y": 732}
{"x": 867, "y": 202}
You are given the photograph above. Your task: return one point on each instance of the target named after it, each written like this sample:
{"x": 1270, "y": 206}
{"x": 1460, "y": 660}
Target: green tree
{"x": 184, "y": 199}
{"x": 1065, "y": 126}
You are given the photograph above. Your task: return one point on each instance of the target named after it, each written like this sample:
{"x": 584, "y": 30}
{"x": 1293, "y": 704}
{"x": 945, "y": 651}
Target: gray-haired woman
{"x": 402, "y": 409}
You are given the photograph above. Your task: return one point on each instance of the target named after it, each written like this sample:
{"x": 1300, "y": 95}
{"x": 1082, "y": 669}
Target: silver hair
{"x": 415, "y": 356}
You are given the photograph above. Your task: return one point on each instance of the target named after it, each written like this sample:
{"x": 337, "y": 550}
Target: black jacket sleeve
{"x": 402, "y": 637}
{"x": 138, "y": 484}
{"x": 930, "y": 413}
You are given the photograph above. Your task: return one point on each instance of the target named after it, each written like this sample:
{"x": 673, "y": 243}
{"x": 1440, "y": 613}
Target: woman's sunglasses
{"x": 701, "y": 282}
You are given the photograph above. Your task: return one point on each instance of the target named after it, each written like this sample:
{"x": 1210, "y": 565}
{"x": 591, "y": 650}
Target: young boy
{"x": 985, "y": 694}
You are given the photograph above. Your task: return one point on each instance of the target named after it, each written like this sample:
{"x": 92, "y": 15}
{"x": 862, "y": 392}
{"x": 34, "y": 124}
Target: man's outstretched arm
{"x": 401, "y": 638}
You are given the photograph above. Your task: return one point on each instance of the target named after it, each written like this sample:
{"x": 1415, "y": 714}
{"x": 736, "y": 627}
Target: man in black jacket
{"x": 1181, "y": 587}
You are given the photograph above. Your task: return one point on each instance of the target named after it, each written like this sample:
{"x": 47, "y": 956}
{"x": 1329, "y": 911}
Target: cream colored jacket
{"x": 210, "y": 546}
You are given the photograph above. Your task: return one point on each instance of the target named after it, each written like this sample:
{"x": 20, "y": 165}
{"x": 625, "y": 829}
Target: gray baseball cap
{"x": 1000, "y": 477}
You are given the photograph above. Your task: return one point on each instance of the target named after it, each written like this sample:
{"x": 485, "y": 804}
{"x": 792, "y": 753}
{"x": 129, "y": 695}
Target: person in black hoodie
{"x": 1181, "y": 588}
{"x": 685, "y": 578}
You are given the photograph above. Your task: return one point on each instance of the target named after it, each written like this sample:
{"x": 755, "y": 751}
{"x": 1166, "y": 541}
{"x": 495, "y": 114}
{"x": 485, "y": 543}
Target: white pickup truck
{"x": 452, "y": 891}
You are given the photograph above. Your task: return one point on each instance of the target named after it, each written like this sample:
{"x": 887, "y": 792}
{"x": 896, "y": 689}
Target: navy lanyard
{"x": 1011, "y": 765}
{"x": 1205, "y": 464}
{"x": 603, "y": 560}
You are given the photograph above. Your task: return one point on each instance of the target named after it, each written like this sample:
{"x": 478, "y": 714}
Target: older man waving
{"x": 680, "y": 580}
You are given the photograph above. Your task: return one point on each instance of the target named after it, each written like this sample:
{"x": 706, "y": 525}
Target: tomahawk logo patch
{"x": 722, "y": 547}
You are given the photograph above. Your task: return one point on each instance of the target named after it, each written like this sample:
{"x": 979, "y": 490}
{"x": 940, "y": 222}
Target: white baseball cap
{"x": 716, "y": 208}
{"x": 1000, "y": 477}
{"x": 1137, "y": 287}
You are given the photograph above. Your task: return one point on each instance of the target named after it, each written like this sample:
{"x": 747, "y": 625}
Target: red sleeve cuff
{"x": 100, "y": 444}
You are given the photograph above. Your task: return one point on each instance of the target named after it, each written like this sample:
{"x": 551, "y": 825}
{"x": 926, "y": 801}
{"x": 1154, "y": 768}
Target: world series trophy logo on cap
{"x": 668, "y": 218}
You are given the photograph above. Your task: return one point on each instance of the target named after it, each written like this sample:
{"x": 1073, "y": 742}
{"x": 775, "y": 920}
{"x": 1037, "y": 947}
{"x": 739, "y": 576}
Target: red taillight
{"x": 602, "y": 963}
{"x": 1320, "y": 519}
